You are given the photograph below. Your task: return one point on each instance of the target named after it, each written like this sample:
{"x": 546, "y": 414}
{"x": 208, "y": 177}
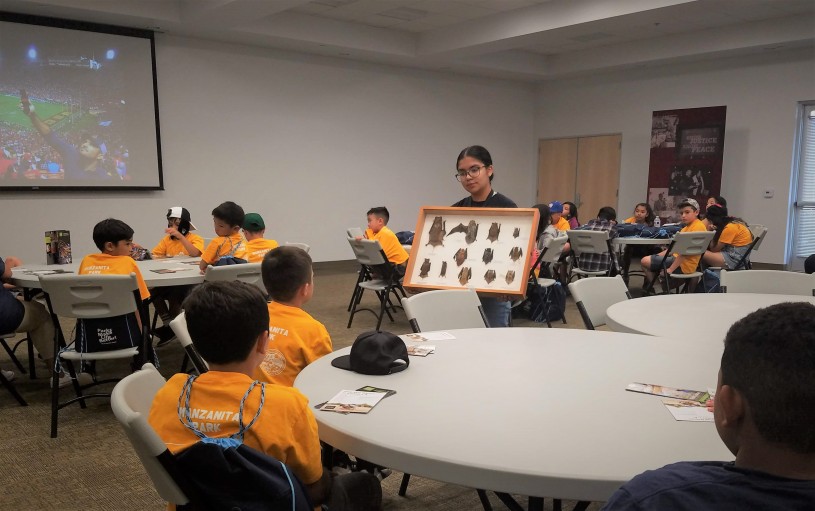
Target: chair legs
{"x": 10, "y": 386}
{"x": 12, "y": 353}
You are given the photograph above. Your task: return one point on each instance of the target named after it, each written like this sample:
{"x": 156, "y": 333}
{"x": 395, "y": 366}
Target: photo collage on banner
{"x": 687, "y": 147}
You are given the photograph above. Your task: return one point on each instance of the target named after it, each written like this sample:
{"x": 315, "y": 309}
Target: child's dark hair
{"x": 478, "y": 152}
{"x": 230, "y": 213}
{"x": 111, "y": 230}
{"x": 225, "y": 319}
{"x": 285, "y": 269}
{"x": 649, "y": 213}
{"x": 717, "y": 215}
{"x": 721, "y": 201}
{"x": 607, "y": 213}
{"x": 572, "y": 211}
{"x": 769, "y": 357}
{"x": 380, "y": 212}
{"x": 545, "y": 218}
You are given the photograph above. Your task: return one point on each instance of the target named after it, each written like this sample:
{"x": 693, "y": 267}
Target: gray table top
{"x": 533, "y": 411}
{"x": 185, "y": 274}
{"x": 704, "y": 317}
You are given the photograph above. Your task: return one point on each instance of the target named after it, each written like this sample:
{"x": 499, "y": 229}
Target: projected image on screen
{"x": 77, "y": 109}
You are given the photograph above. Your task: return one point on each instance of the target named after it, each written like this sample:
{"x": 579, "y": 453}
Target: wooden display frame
{"x": 437, "y": 249}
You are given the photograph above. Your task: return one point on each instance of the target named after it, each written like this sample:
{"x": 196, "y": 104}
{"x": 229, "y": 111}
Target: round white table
{"x": 690, "y": 317}
{"x": 530, "y": 411}
{"x": 183, "y": 273}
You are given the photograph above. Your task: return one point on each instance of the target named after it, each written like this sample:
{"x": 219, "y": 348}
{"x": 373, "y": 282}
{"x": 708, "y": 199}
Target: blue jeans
{"x": 497, "y": 311}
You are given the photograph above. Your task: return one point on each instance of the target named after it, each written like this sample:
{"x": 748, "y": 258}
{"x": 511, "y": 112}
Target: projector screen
{"x": 78, "y": 106}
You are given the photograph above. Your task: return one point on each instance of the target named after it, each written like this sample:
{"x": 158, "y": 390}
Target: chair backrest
{"x": 249, "y": 273}
{"x": 131, "y": 400}
{"x": 552, "y": 250}
{"x": 355, "y": 232}
{"x": 444, "y": 309}
{"x": 298, "y": 245}
{"x": 594, "y": 296}
{"x": 759, "y": 232}
{"x": 368, "y": 252}
{"x": 774, "y": 282}
{"x": 691, "y": 243}
{"x": 179, "y": 326}
{"x": 91, "y": 296}
{"x": 590, "y": 242}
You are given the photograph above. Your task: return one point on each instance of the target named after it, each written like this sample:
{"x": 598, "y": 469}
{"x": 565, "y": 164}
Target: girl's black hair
{"x": 478, "y": 152}
{"x": 572, "y": 211}
{"x": 545, "y": 219}
{"x": 717, "y": 215}
{"x": 649, "y": 212}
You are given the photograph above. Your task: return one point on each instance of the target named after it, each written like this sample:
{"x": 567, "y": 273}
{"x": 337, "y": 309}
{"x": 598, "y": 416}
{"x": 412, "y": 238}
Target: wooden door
{"x": 557, "y": 169}
{"x": 598, "y": 175}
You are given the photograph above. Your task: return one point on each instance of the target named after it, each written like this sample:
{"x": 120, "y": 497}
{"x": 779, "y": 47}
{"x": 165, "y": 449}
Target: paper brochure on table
{"x": 700, "y": 396}
{"x": 353, "y": 401}
{"x": 428, "y": 336}
{"x": 685, "y": 410}
{"x": 420, "y": 350}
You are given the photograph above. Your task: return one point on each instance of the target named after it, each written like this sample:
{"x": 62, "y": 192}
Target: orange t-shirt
{"x": 169, "y": 247}
{"x": 106, "y": 264}
{"x": 295, "y": 340}
{"x": 630, "y": 220}
{"x": 736, "y": 234}
{"x": 257, "y": 248}
{"x": 223, "y": 246}
{"x": 285, "y": 428}
{"x": 690, "y": 263}
{"x": 562, "y": 225}
{"x": 394, "y": 250}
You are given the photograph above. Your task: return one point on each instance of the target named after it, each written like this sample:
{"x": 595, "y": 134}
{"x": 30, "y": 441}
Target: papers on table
{"x": 353, "y": 401}
{"x": 169, "y": 270}
{"x": 684, "y": 410}
{"x": 428, "y": 336}
{"x": 43, "y": 272}
{"x": 420, "y": 350}
{"x": 700, "y": 396}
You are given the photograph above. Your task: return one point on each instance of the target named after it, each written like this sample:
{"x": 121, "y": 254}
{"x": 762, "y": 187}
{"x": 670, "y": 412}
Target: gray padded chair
{"x": 444, "y": 309}
{"x": 131, "y": 400}
{"x": 774, "y": 282}
{"x": 594, "y": 296}
{"x": 91, "y": 297}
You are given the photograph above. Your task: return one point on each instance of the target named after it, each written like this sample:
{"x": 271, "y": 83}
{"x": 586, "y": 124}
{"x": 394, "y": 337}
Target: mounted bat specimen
{"x": 489, "y": 276}
{"x": 435, "y": 236}
{"x": 465, "y": 275}
{"x": 461, "y": 255}
{"x": 495, "y": 230}
{"x": 515, "y": 253}
{"x": 470, "y": 231}
{"x": 425, "y": 269}
{"x": 516, "y": 232}
{"x": 510, "y": 276}
{"x": 487, "y": 257}
{"x": 443, "y": 272}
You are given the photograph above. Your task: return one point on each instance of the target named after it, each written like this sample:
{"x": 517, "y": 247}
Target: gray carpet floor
{"x": 91, "y": 464}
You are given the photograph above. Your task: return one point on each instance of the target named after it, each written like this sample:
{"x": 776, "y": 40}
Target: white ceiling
{"x": 530, "y": 40}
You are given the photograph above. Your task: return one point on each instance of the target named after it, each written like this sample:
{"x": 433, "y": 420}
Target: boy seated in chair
{"x": 763, "y": 411}
{"x": 229, "y": 325}
{"x": 114, "y": 239}
{"x": 378, "y": 230}
{"x": 295, "y": 338}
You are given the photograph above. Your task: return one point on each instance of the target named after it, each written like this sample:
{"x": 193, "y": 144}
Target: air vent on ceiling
{"x": 587, "y": 38}
{"x": 404, "y": 14}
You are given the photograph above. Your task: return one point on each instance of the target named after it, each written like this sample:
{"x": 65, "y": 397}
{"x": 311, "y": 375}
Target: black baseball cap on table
{"x": 376, "y": 353}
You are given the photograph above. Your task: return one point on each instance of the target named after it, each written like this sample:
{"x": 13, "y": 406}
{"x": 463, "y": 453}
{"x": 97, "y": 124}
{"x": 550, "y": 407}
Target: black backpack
{"x": 224, "y": 474}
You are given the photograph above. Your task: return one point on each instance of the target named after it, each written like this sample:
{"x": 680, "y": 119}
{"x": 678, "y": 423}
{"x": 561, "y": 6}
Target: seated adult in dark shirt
{"x": 764, "y": 413}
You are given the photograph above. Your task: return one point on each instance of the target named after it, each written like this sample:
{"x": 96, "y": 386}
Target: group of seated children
{"x": 243, "y": 338}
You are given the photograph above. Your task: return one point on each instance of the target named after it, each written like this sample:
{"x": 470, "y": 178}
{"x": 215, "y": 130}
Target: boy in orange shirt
{"x": 114, "y": 239}
{"x": 378, "y": 230}
{"x": 689, "y": 214}
{"x": 295, "y": 338}
{"x": 227, "y": 221}
{"x": 256, "y": 245}
{"x": 228, "y": 323}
